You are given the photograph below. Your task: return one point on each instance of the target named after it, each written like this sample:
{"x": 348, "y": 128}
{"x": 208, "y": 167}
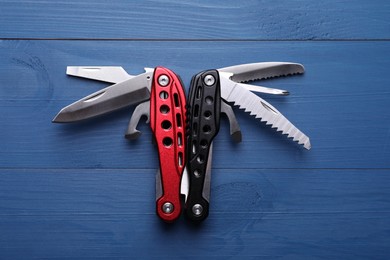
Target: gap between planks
{"x": 193, "y": 40}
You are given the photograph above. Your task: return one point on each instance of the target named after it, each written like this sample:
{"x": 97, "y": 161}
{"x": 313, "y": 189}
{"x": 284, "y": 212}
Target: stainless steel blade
{"x": 109, "y": 74}
{"x": 143, "y": 109}
{"x": 261, "y": 109}
{"x": 185, "y": 184}
{"x": 159, "y": 189}
{"x": 235, "y": 131}
{"x": 120, "y": 95}
{"x": 260, "y": 89}
{"x": 262, "y": 70}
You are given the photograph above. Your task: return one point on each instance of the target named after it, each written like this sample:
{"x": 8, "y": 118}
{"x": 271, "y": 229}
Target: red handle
{"x": 167, "y": 120}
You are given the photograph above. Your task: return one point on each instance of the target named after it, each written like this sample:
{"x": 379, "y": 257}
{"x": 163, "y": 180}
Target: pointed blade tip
{"x": 307, "y": 145}
{"x": 63, "y": 117}
{"x": 58, "y": 119}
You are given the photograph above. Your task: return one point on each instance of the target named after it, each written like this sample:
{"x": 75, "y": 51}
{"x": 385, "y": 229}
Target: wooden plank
{"x": 154, "y": 19}
{"x": 341, "y": 102}
{"x": 109, "y": 214}
{"x": 82, "y": 191}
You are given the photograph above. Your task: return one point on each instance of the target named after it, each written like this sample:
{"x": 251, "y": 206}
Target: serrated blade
{"x": 262, "y": 70}
{"x": 117, "y": 96}
{"x": 261, "y": 109}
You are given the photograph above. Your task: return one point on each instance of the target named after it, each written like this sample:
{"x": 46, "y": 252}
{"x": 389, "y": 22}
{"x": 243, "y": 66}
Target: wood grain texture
{"x": 341, "y": 102}
{"x": 108, "y": 214}
{"x": 156, "y": 19}
{"x": 81, "y": 191}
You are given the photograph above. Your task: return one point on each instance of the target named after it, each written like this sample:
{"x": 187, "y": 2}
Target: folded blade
{"x": 185, "y": 182}
{"x": 261, "y": 109}
{"x": 120, "y": 95}
{"x": 262, "y": 70}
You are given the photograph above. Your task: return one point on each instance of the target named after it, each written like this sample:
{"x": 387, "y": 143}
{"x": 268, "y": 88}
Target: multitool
{"x": 185, "y": 136}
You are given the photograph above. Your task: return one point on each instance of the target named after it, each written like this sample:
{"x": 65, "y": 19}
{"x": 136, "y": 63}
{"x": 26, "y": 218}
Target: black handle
{"x": 203, "y": 115}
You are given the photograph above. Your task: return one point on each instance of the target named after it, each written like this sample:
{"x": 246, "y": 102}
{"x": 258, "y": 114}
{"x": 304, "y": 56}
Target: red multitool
{"x": 162, "y": 100}
{"x": 167, "y": 120}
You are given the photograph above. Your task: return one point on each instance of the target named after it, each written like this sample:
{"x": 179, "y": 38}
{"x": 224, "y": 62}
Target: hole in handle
{"x": 178, "y": 119}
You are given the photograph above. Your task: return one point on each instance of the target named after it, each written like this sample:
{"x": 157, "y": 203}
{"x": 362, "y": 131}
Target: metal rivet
{"x": 197, "y": 209}
{"x": 209, "y": 80}
{"x": 163, "y": 80}
{"x": 167, "y": 207}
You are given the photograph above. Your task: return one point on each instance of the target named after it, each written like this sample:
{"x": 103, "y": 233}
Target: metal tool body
{"x": 163, "y": 103}
{"x": 167, "y": 110}
{"x": 203, "y": 110}
{"x": 237, "y": 93}
{"x": 162, "y": 100}
{"x": 209, "y": 95}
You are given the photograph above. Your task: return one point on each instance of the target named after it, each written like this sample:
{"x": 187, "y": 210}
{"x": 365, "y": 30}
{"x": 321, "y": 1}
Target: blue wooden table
{"x": 82, "y": 191}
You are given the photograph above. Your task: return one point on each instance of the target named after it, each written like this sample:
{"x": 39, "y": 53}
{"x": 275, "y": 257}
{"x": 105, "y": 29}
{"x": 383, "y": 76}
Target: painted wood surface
{"x": 82, "y": 191}
{"x": 341, "y": 102}
{"x": 109, "y": 214}
{"x": 174, "y": 19}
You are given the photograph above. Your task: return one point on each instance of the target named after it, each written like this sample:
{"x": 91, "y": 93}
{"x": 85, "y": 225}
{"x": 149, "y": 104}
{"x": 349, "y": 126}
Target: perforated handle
{"x": 167, "y": 120}
{"x": 203, "y": 114}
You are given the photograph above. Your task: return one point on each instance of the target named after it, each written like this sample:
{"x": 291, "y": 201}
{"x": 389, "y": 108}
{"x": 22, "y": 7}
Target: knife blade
{"x": 110, "y": 74}
{"x": 117, "y": 96}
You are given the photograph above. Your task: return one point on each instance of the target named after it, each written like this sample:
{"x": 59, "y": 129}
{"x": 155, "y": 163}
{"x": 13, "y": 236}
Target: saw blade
{"x": 261, "y": 109}
{"x": 262, "y": 70}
